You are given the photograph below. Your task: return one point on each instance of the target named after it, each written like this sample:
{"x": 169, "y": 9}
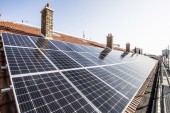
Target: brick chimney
{"x": 47, "y": 21}
{"x": 110, "y": 41}
{"x": 128, "y": 47}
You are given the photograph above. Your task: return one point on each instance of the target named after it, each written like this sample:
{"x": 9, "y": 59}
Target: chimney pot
{"x": 48, "y": 5}
{"x": 128, "y": 47}
{"x": 109, "y": 41}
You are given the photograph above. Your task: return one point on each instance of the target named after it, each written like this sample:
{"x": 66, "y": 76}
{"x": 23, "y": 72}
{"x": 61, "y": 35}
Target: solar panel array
{"x": 61, "y": 77}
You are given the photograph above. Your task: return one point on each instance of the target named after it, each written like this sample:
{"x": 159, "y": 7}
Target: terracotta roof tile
{"x": 18, "y": 28}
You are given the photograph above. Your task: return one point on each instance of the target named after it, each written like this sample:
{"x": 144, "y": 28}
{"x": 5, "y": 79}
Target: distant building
{"x": 138, "y": 50}
{"x": 165, "y": 52}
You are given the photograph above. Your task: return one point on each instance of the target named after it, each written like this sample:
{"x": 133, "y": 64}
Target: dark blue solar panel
{"x": 61, "y": 60}
{"x": 43, "y": 43}
{"x": 114, "y": 81}
{"x": 104, "y": 57}
{"x": 25, "y": 60}
{"x": 61, "y": 45}
{"x": 133, "y": 72}
{"x": 98, "y": 49}
{"x": 52, "y": 94}
{"x": 107, "y": 87}
{"x": 85, "y": 48}
{"x": 106, "y": 99}
{"x": 75, "y": 47}
{"x": 17, "y": 40}
{"x": 123, "y": 75}
{"x": 80, "y": 59}
{"x": 93, "y": 49}
{"x": 93, "y": 58}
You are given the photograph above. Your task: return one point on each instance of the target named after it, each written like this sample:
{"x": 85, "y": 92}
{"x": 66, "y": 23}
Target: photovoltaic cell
{"x": 80, "y": 59}
{"x": 47, "y": 93}
{"x": 93, "y": 58}
{"x": 85, "y": 48}
{"x": 93, "y": 49}
{"x": 122, "y": 75}
{"x": 104, "y": 57}
{"x": 61, "y": 60}
{"x": 115, "y": 59}
{"x": 134, "y": 66}
{"x": 98, "y": 49}
{"x": 17, "y": 40}
{"x": 133, "y": 73}
{"x": 43, "y": 43}
{"x": 106, "y": 99}
{"x": 120, "y": 85}
{"x": 25, "y": 60}
{"x": 75, "y": 47}
{"x": 61, "y": 45}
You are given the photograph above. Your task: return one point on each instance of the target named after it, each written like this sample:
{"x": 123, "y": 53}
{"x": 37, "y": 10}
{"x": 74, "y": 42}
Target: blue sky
{"x": 143, "y": 23}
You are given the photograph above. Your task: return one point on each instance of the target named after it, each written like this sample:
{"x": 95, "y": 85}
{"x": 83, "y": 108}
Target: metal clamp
{"x": 4, "y": 90}
{"x": 4, "y": 67}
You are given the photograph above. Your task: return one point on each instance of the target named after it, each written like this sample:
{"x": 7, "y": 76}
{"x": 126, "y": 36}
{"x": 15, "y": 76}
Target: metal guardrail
{"x": 160, "y": 98}
{"x": 166, "y": 74}
{"x": 157, "y": 97}
{"x": 164, "y": 106}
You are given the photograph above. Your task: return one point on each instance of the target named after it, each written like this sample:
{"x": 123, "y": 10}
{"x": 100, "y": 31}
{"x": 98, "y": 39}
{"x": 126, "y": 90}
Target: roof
{"x": 20, "y": 28}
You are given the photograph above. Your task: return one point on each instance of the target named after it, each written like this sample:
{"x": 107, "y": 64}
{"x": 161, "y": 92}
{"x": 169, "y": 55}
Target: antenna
{"x": 83, "y": 34}
{"x": 168, "y": 57}
{"x": 0, "y": 14}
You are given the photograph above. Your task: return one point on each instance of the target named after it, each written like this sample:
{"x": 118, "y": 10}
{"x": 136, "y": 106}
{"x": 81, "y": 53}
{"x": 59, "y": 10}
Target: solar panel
{"x": 137, "y": 75}
{"x": 43, "y": 43}
{"x": 93, "y": 49}
{"x": 47, "y": 93}
{"x": 126, "y": 77}
{"x": 61, "y": 45}
{"x": 114, "y": 81}
{"x": 131, "y": 67}
{"x": 93, "y": 58}
{"x": 85, "y": 48}
{"x": 104, "y": 57}
{"x": 17, "y": 40}
{"x": 80, "y": 59}
{"x": 53, "y": 76}
{"x": 106, "y": 99}
{"x": 61, "y": 60}
{"x": 98, "y": 49}
{"x": 75, "y": 47}
{"x": 25, "y": 60}
{"x": 143, "y": 67}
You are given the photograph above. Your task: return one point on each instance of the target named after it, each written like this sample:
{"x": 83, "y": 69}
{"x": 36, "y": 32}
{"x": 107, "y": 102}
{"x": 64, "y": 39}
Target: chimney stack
{"x": 110, "y": 41}
{"x": 47, "y": 21}
{"x": 128, "y": 47}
